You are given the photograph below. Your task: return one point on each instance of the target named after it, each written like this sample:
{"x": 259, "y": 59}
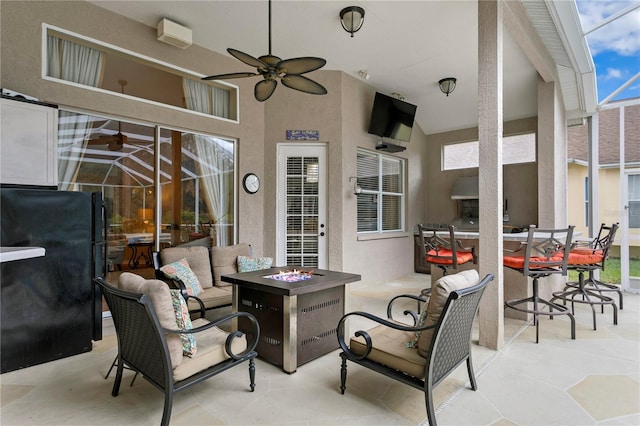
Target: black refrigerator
{"x": 50, "y": 307}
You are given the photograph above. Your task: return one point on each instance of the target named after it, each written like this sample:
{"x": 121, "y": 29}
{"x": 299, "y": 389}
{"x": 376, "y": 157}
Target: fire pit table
{"x": 298, "y": 310}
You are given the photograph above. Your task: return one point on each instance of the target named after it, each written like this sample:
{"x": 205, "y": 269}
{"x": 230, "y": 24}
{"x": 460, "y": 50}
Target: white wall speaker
{"x": 174, "y": 34}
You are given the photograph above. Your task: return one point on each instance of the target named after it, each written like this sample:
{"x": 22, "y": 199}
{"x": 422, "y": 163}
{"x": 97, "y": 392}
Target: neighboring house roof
{"x": 608, "y": 137}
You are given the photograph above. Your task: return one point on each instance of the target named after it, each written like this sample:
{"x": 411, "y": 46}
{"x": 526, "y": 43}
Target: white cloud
{"x": 613, "y": 73}
{"x": 621, "y": 36}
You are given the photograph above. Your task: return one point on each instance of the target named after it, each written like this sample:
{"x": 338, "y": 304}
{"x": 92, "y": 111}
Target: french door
{"x": 301, "y": 234}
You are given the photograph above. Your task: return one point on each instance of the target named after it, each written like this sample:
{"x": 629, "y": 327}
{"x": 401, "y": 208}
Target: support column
{"x": 552, "y": 158}
{"x": 552, "y": 169}
{"x": 490, "y": 30}
{"x": 594, "y": 167}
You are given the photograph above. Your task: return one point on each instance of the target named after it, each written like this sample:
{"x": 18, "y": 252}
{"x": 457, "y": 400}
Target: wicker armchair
{"x": 149, "y": 340}
{"x": 421, "y": 355}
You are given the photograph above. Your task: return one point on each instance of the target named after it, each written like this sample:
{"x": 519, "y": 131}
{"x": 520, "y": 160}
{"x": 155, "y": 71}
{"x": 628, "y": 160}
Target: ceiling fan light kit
{"x": 352, "y": 18}
{"x": 272, "y": 68}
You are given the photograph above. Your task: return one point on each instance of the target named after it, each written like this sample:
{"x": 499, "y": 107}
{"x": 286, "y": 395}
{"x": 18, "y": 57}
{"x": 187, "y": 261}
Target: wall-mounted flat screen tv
{"x": 391, "y": 118}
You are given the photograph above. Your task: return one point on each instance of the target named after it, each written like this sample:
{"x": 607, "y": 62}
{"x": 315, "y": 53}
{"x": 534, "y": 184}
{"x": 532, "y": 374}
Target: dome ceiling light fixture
{"x": 447, "y": 85}
{"x": 352, "y": 18}
{"x": 272, "y": 68}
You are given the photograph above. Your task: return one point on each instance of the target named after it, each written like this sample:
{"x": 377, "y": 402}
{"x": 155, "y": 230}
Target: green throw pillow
{"x": 247, "y": 264}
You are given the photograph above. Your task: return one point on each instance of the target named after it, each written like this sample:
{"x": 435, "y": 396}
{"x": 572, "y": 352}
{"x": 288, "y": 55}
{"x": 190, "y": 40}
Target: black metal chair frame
{"x": 450, "y": 345}
{"x": 142, "y": 345}
{"x": 546, "y": 244}
{"x": 590, "y": 290}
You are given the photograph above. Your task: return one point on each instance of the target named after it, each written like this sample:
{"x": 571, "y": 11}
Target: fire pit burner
{"x": 291, "y": 276}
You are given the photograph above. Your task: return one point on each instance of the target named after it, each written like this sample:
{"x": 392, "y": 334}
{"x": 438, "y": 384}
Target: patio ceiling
{"x": 405, "y": 46}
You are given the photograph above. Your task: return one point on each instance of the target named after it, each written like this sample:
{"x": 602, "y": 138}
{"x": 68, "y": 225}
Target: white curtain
{"x": 79, "y": 64}
{"x": 213, "y": 170}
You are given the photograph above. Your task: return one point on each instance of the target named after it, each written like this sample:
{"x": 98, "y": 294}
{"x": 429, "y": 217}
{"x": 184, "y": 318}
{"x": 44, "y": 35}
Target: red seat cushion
{"x": 585, "y": 257}
{"x": 445, "y": 257}
{"x": 517, "y": 262}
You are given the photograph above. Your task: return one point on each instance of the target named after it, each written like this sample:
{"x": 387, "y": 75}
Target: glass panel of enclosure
{"x": 116, "y": 158}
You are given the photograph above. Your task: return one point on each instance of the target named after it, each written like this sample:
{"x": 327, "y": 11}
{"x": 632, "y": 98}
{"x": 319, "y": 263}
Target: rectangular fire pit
{"x": 298, "y": 312}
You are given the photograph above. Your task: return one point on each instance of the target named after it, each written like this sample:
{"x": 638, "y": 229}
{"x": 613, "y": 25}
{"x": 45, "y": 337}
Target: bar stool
{"x": 546, "y": 252}
{"x": 443, "y": 253}
{"x": 588, "y": 258}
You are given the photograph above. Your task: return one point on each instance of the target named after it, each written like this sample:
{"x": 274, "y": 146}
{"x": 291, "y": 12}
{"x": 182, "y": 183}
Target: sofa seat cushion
{"x": 198, "y": 259}
{"x": 212, "y": 297}
{"x": 224, "y": 260}
{"x": 160, "y": 296}
{"x": 389, "y": 349}
{"x": 210, "y": 351}
{"x": 439, "y": 295}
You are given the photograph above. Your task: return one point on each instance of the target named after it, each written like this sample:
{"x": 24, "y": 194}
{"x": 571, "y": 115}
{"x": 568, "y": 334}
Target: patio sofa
{"x": 208, "y": 264}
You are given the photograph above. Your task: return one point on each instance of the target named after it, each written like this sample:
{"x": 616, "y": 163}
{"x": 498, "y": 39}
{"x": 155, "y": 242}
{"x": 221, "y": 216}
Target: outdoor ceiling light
{"x": 447, "y": 85}
{"x": 352, "y": 18}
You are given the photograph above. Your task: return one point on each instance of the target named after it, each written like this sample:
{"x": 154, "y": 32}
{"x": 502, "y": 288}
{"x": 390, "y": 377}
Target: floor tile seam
{"x": 478, "y": 373}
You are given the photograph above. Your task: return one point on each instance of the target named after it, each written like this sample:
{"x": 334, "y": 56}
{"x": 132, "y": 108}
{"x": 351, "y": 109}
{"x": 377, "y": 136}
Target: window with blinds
{"x": 381, "y": 202}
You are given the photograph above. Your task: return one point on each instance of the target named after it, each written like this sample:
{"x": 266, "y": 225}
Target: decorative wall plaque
{"x": 303, "y": 135}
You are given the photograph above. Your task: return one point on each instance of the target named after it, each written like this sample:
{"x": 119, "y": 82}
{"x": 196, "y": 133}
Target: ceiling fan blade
{"x": 264, "y": 89}
{"x": 230, "y": 76}
{"x": 300, "y": 65}
{"x": 246, "y": 58}
{"x": 303, "y": 84}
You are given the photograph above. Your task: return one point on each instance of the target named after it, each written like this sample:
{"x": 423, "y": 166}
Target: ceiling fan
{"x": 113, "y": 142}
{"x": 272, "y": 68}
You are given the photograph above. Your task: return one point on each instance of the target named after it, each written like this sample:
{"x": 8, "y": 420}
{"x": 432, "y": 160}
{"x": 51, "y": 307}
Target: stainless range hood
{"x": 465, "y": 188}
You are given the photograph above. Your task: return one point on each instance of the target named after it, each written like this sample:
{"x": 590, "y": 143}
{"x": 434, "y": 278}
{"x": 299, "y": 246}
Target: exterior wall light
{"x": 357, "y": 190}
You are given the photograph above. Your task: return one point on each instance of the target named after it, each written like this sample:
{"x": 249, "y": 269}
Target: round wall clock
{"x": 251, "y": 183}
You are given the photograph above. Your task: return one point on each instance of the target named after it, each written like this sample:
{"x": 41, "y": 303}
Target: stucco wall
{"x": 21, "y": 47}
{"x": 341, "y": 117}
{"x": 520, "y": 182}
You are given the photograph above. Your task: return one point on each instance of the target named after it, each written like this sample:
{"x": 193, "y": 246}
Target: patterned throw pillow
{"x": 180, "y": 270}
{"x": 183, "y": 320}
{"x": 414, "y": 342}
{"x": 248, "y": 264}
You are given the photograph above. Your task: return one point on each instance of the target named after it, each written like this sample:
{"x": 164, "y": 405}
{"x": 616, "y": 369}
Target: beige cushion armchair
{"x": 423, "y": 354}
{"x": 149, "y": 339}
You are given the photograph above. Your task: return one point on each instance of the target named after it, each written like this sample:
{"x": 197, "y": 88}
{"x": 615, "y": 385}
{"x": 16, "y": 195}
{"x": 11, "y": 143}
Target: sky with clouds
{"x": 615, "y": 47}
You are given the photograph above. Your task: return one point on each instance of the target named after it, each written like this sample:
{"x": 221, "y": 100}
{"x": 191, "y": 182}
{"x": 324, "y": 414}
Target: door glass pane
{"x": 302, "y": 176}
